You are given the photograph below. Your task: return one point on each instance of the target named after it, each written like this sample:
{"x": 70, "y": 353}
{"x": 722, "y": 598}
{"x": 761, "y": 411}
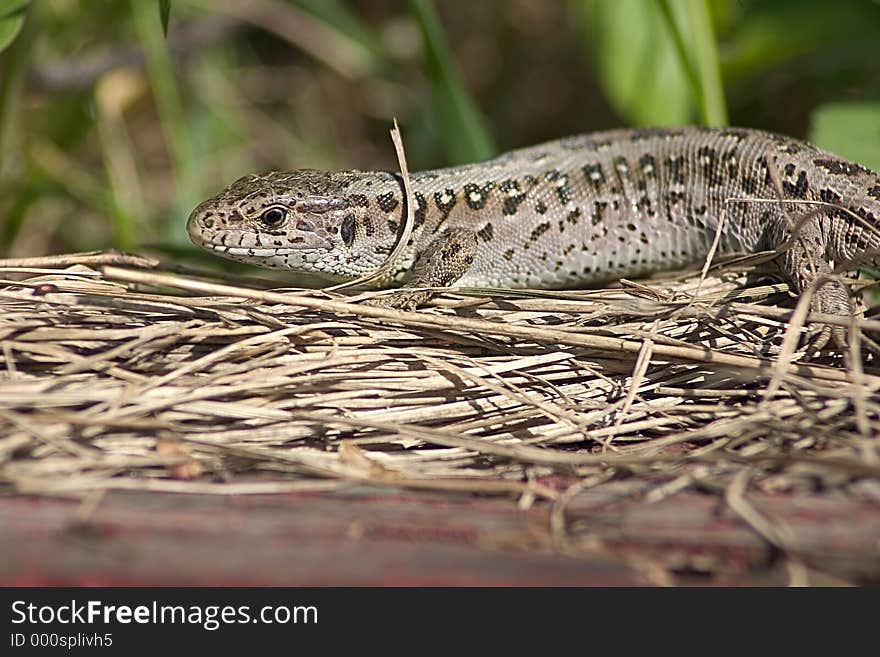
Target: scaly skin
{"x": 569, "y": 213}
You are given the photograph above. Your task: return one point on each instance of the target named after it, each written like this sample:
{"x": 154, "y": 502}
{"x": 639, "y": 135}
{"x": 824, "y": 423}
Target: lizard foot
{"x": 401, "y": 300}
{"x": 832, "y": 298}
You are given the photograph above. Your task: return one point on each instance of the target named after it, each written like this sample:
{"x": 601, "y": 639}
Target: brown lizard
{"x": 568, "y": 213}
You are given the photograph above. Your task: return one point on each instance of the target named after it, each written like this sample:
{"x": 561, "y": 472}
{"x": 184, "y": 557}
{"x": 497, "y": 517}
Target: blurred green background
{"x": 117, "y": 117}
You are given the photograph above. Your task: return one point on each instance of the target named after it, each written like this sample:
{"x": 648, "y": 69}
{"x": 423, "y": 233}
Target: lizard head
{"x": 304, "y": 221}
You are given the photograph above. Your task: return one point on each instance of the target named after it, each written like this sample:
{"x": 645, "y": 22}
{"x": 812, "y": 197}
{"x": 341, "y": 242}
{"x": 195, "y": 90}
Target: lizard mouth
{"x": 255, "y": 252}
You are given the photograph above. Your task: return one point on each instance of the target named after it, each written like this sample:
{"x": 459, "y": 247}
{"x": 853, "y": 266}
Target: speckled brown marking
{"x": 707, "y": 157}
{"x": 508, "y": 255}
{"x": 539, "y": 230}
{"x": 621, "y": 170}
{"x": 839, "y": 167}
{"x": 421, "y": 209}
{"x": 595, "y": 175}
{"x": 540, "y": 207}
{"x": 648, "y": 166}
{"x": 599, "y": 208}
{"x": 445, "y": 201}
{"x": 829, "y": 196}
{"x": 561, "y": 183}
{"x": 731, "y": 164}
{"x": 359, "y": 200}
{"x": 874, "y": 192}
{"x": 799, "y": 188}
{"x": 486, "y": 233}
{"x": 764, "y": 177}
{"x": 675, "y": 165}
{"x": 513, "y": 196}
{"x": 475, "y": 196}
{"x": 387, "y": 201}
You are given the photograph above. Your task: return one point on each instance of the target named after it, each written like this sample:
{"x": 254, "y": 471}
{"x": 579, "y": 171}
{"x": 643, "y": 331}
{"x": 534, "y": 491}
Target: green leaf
{"x": 698, "y": 56}
{"x": 164, "y": 14}
{"x": 639, "y": 67}
{"x": 849, "y": 129}
{"x": 770, "y": 34}
{"x": 10, "y": 7}
{"x": 12, "y": 13}
{"x": 462, "y": 127}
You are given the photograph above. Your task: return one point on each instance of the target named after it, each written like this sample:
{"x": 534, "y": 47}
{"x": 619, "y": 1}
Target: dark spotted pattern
{"x": 621, "y": 174}
{"x": 475, "y": 196}
{"x": 829, "y": 196}
{"x": 599, "y": 208}
{"x": 839, "y": 167}
{"x": 359, "y": 200}
{"x": 539, "y": 230}
{"x": 797, "y": 189}
{"x": 445, "y": 201}
{"x": 561, "y": 183}
{"x": 513, "y": 197}
{"x": 595, "y": 176}
{"x": 730, "y": 160}
{"x": 421, "y": 210}
{"x": 675, "y": 165}
{"x": 387, "y": 201}
{"x": 707, "y": 160}
{"x": 486, "y": 233}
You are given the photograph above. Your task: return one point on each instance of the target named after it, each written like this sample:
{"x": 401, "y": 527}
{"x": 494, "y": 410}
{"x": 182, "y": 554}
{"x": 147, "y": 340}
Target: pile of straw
{"x": 115, "y": 374}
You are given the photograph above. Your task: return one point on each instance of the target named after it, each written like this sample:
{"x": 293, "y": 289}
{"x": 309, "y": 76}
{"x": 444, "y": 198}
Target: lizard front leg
{"x": 445, "y": 259}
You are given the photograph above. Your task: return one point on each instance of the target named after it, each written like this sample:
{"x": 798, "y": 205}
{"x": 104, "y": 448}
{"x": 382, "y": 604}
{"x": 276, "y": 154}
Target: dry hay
{"x": 119, "y": 377}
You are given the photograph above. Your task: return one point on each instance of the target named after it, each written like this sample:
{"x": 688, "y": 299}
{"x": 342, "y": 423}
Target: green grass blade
{"x": 681, "y": 48}
{"x": 160, "y": 71}
{"x": 462, "y": 128}
{"x": 164, "y": 14}
{"x": 699, "y": 61}
{"x": 13, "y": 72}
{"x": 633, "y": 53}
{"x": 713, "y": 106}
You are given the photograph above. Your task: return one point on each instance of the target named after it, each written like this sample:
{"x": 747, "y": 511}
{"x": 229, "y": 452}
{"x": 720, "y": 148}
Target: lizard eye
{"x": 346, "y": 230}
{"x": 273, "y": 216}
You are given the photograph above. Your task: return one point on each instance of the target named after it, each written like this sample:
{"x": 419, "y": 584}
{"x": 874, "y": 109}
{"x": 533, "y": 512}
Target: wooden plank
{"x": 370, "y": 536}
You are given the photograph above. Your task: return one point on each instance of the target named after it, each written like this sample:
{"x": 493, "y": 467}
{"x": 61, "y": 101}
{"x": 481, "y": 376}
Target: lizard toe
{"x": 832, "y": 298}
{"x": 407, "y": 301}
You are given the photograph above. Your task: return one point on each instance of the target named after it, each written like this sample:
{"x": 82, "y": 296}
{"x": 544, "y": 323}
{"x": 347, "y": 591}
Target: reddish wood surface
{"x": 373, "y": 537}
